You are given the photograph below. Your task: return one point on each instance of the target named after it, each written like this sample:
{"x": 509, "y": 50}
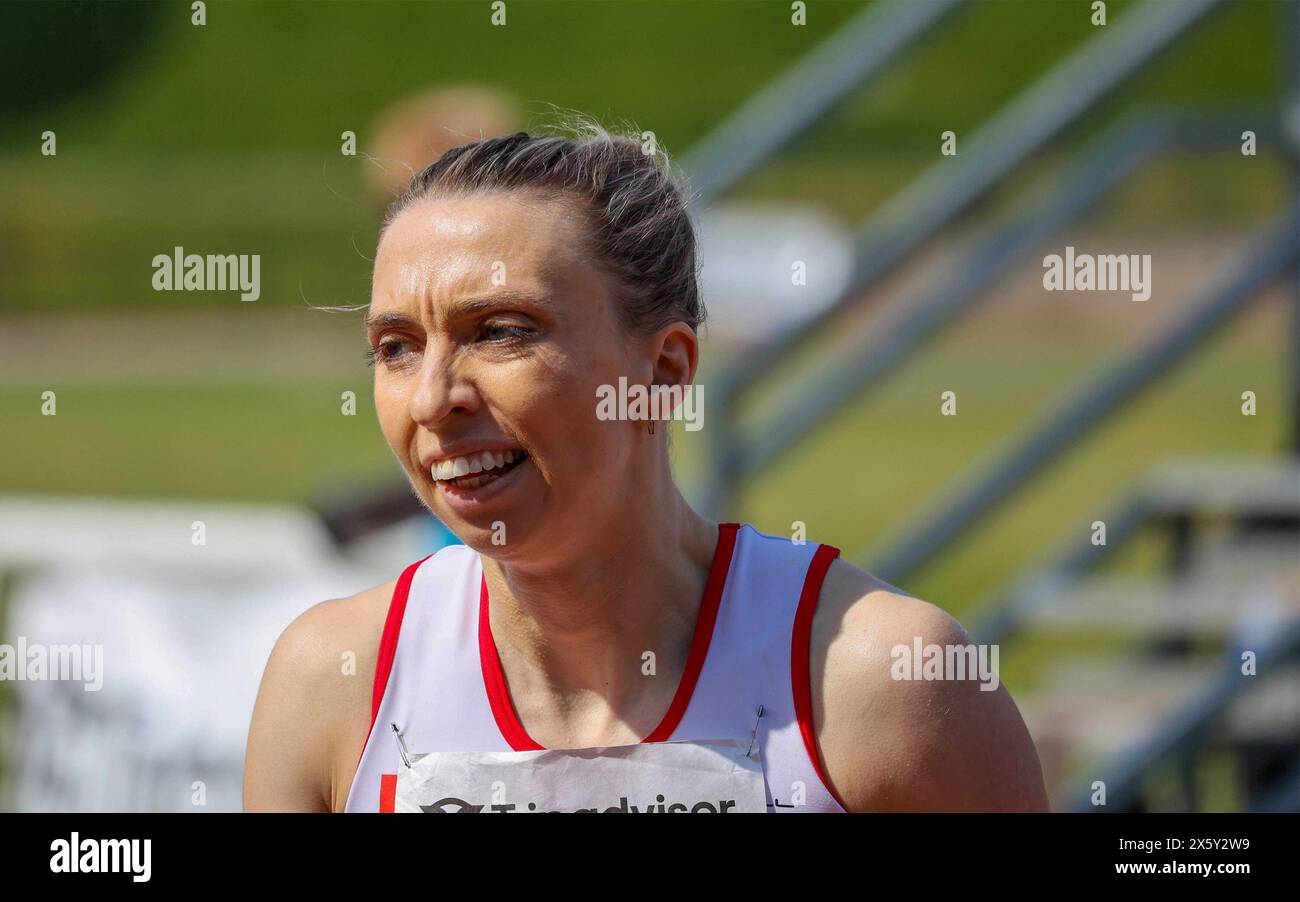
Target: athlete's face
{"x": 491, "y": 334}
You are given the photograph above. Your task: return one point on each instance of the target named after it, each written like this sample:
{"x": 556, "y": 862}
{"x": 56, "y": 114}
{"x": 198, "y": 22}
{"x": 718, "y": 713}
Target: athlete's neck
{"x": 594, "y": 640}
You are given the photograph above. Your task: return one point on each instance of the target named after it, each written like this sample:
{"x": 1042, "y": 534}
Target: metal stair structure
{"x": 1144, "y": 722}
{"x": 1230, "y": 587}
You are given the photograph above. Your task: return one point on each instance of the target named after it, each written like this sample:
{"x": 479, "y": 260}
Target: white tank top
{"x": 440, "y": 681}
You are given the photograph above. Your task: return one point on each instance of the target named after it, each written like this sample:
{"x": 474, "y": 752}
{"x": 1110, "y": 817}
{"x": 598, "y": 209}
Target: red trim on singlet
{"x": 387, "y": 793}
{"x": 800, "y": 640}
{"x": 388, "y": 642}
{"x": 388, "y": 646}
{"x": 494, "y": 680}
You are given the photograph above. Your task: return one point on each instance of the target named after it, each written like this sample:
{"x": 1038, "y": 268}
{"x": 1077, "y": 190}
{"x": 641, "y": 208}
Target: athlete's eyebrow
{"x": 504, "y": 298}
{"x": 463, "y": 308}
{"x": 392, "y": 320}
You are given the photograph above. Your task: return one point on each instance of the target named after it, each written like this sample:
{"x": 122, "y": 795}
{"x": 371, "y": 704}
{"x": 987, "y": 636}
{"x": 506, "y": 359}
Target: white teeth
{"x": 454, "y": 467}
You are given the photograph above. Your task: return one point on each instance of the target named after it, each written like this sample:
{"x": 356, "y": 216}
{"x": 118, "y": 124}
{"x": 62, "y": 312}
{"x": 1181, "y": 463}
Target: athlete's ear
{"x": 675, "y": 354}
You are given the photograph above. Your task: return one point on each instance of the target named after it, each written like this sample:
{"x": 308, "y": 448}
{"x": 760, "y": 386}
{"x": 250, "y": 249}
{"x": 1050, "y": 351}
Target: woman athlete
{"x": 595, "y": 644}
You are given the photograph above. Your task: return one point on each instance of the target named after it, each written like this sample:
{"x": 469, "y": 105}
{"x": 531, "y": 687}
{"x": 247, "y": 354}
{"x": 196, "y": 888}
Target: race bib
{"x": 714, "y": 777}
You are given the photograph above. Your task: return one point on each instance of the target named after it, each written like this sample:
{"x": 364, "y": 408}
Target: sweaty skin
{"x": 492, "y": 325}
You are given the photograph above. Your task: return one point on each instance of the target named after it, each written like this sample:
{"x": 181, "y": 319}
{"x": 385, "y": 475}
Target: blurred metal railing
{"x": 811, "y": 89}
{"x": 1266, "y": 492}
{"x": 1260, "y": 499}
{"x": 948, "y": 188}
{"x": 1178, "y": 738}
{"x": 1101, "y": 168}
{"x": 1276, "y": 250}
{"x": 908, "y": 221}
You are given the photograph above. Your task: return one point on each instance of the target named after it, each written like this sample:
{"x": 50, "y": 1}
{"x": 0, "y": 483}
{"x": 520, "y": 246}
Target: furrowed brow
{"x": 465, "y": 308}
{"x": 496, "y": 300}
{"x": 388, "y": 320}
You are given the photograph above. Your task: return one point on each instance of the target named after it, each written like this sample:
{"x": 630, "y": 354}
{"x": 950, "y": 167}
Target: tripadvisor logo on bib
{"x": 453, "y": 805}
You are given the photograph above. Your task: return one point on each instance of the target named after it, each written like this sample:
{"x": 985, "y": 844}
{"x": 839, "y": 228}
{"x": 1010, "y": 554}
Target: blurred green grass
{"x": 226, "y": 136}
{"x": 282, "y": 74}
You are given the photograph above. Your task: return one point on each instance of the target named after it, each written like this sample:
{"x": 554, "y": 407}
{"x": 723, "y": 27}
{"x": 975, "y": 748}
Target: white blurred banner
{"x": 185, "y": 631}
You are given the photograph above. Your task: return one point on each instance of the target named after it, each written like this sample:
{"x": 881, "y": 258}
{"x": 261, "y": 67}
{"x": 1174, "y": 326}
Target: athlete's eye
{"x": 390, "y": 350}
{"x": 503, "y": 332}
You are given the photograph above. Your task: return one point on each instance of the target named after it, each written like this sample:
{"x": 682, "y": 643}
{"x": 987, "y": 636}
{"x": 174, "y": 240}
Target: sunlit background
{"x": 1162, "y": 663}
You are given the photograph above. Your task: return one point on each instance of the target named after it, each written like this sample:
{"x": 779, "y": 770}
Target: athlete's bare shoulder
{"x": 312, "y": 712}
{"x": 892, "y": 742}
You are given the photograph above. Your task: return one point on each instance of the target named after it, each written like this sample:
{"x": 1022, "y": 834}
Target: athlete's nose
{"x": 442, "y": 390}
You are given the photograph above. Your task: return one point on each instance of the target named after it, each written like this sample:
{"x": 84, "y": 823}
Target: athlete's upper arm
{"x": 310, "y": 698}
{"x": 895, "y": 744}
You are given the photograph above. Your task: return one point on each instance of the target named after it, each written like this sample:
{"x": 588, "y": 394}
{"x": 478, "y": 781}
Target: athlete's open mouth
{"x": 478, "y": 469}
